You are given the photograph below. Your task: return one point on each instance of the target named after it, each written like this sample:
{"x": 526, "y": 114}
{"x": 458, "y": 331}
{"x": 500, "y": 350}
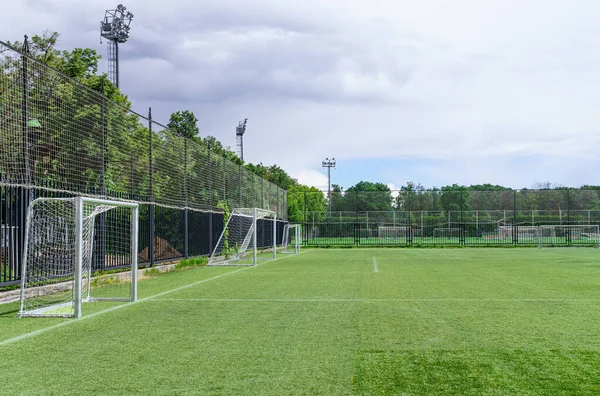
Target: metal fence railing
{"x": 559, "y": 217}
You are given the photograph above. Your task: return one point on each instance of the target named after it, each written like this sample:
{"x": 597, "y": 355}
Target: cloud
{"x": 311, "y": 178}
{"x": 442, "y": 91}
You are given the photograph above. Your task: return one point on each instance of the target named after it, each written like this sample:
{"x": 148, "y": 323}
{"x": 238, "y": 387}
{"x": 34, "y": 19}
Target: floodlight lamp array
{"x": 115, "y": 26}
{"x": 328, "y": 163}
{"x": 241, "y": 128}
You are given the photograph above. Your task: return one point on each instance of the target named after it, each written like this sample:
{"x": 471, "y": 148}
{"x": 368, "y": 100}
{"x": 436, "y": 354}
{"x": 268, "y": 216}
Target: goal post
{"x": 246, "y": 232}
{"x": 290, "y": 243}
{"x": 572, "y": 234}
{"x": 59, "y": 250}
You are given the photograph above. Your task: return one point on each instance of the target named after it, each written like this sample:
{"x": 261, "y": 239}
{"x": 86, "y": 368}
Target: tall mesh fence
{"x": 62, "y": 138}
{"x": 54, "y": 129}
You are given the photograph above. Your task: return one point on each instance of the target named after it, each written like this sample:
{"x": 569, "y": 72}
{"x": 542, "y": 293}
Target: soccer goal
{"x": 63, "y": 241}
{"x": 247, "y": 231}
{"x": 291, "y": 240}
{"x": 581, "y": 234}
{"x": 392, "y": 233}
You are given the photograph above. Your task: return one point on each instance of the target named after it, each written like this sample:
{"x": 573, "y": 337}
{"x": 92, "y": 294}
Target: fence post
{"x": 100, "y": 251}
{"x": 569, "y": 238}
{"x": 356, "y": 223}
{"x": 515, "y": 226}
{"x": 25, "y": 111}
{"x": 224, "y": 180}
{"x": 27, "y": 192}
{"x": 151, "y": 193}
{"x": 210, "y": 201}
{"x": 305, "y": 227}
{"x": 186, "y": 234}
{"x": 461, "y": 239}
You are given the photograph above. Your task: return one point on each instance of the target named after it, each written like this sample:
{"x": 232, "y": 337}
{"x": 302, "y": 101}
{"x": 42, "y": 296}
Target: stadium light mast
{"x": 115, "y": 28}
{"x": 239, "y": 136}
{"x": 328, "y": 163}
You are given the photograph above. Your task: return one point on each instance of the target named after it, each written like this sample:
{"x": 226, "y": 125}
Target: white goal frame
{"x": 543, "y": 238}
{"x": 82, "y": 249}
{"x": 291, "y": 232}
{"x": 249, "y": 241}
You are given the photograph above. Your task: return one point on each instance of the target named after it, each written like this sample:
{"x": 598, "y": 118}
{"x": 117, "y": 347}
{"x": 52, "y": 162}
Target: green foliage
{"x": 454, "y": 198}
{"x": 152, "y": 272}
{"x": 191, "y": 262}
{"x": 217, "y": 147}
{"x": 368, "y": 196}
{"x": 184, "y": 123}
{"x": 223, "y": 205}
{"x": 80, "y": 63}
{"x": 303, "y": 199}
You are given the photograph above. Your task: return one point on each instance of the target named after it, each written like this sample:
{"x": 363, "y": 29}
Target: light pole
{"x": 328, "y": 163}
{"x": 239, "y": 134}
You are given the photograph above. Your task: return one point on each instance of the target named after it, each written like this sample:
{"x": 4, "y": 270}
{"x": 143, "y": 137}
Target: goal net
{"x": 392, "y": 234}
{"x": 585, "y": 234}
{"x": 248, "y": 236}
{"x": 446, "y": 232}
{"x": 66, "y": 240}
{"x": 291, "y": 239}
{"x": 522, "y": 233}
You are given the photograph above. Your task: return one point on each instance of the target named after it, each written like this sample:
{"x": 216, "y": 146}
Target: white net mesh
{"x": 392, "y": 234}
{"x": 291, "y": 239}
{"x": 50, "y": 266}
{"x": 446, "y": 232}
{"x": 247, "y": 231}
{"x": 569, "y": 234}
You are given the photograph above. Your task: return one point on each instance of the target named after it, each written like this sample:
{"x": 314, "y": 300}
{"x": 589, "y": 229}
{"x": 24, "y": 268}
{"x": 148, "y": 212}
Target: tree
{"x": 370, "y": 196}
{"x": 184, "y": 123}
{"x": 338, "y": 201}
{"x": 454, "y": 198}
{"x": 303, "y": 200}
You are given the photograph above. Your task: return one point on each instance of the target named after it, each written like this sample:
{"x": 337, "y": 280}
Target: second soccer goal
{"x": 249, "y": 235}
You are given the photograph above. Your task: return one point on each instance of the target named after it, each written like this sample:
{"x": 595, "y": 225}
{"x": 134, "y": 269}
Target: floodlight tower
{"x": 239, "y": 134}
{"x": 115, "y": 28}
{"x": 328, "y": 163}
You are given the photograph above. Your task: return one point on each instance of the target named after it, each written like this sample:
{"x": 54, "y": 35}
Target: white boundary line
{"x": 316, "y": 300}
{"x": 149, "y": 298}
{"x": 375, "y": 268}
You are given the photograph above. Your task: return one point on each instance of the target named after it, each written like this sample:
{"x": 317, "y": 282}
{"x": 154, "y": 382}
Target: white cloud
{"x": 311, "y": 178}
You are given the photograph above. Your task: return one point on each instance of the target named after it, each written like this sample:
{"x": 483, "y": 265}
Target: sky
{"x": 435, "y": 92}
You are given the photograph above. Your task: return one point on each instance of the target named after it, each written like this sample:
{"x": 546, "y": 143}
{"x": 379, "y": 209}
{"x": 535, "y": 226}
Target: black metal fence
{"x": 176, "y": 233}
{"x": 558, "y": 217}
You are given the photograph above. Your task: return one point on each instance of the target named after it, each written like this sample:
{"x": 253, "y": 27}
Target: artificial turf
{"x": 330, "y": 321}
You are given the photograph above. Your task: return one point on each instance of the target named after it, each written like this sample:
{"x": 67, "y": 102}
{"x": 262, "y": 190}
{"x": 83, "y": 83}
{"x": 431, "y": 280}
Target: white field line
{"x": 375, "y": 268}
{"x": 318, "y": 300}
{"x": 141, "y": 300}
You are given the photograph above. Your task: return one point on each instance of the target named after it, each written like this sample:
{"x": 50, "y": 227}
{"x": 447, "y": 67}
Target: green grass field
{"x": 330, "y": 322}
{"x": 448, "y": 241}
